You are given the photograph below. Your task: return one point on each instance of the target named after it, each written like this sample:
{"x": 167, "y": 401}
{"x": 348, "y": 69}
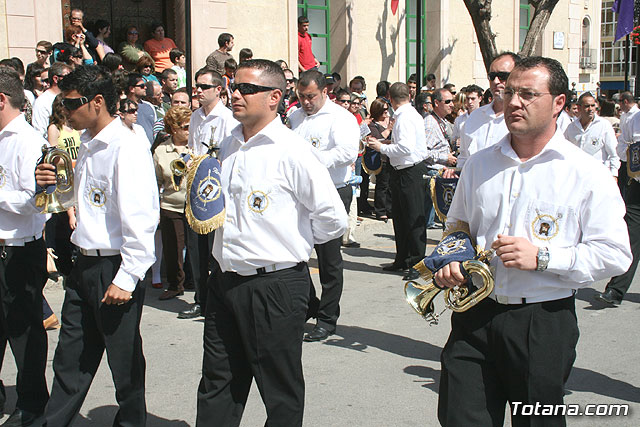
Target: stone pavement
{"x": 382, "y": 366}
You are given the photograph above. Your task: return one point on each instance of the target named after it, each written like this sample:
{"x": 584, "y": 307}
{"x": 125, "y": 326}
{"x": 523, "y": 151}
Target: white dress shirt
{"x": 219, "y": 121}
{"x": 625, "y": 124}
{"x": 279, "y": 201}
{"x": 597, "y": 140}
{"x": 117, "y": 199}
{"x": 562, "y": 199}
{"x": 482, "y": 129}
{"x": 438, "y": 147}
{"x": 408, "y": 140}
{"x": 20, "y": 149}
{"x": 629, "y": 132}
{"x": 335, "y": 134}
{"x": 458, "y": 126}
{"x": 564, "y": 120}
{"x": 41, "y": 112}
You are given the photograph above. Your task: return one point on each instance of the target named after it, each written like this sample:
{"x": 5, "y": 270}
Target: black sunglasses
{"x": 141, "y": 85}
{"x": 501, "y": 75}
{"x": 204, "y": 86}
{"x": 447, "y": 101}
{"x": 42, "y": 52}
{"x": 131, "y": 111}
{"x": 72, "y": 104}
{"x": 133, "y": 33}
{"x": 250, "y": 88}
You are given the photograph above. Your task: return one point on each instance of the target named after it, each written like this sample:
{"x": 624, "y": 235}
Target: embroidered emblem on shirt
{"x": 314, "y": 141}
{"x": 208, "y": 189}
{"x": 258, "y": 201}
{"x": 545, "y": 226}
{"x": 97, "y": 197}
{"x": 3, "y": 177}
{"x": 452, "y": 247}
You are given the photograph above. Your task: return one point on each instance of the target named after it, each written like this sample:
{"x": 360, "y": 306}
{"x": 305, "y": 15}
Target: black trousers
{"x": 382, "y": 197}
{"x": 23, "y": 274}
{"x": 507, "y": 353}
{"x": 409, "y": 225}
{"x": 330, "y": 265}
{"x": 172, "y": 226}
{"x": 201, "y": 261}
{"x": 253, "y": 329}
{"x": 90, "y": 327}
{"x": 620, "y": 284}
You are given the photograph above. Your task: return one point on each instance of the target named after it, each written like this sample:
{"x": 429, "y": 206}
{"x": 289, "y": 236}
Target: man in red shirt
{"x": 306, "y": 60}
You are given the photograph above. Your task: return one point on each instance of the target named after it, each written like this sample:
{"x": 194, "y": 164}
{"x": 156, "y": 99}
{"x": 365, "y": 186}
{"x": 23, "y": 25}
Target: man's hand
{"x": 452, "y": 160}
{"x": 450, "y": 276}
{"x": 45, "y": 175}
{"x": 115, "y": 295}
{"x": 374, "y": 144}
{"x": 450, "y": 173}
{"x": 516, "y": 252}
{"x": 73, "y": 221}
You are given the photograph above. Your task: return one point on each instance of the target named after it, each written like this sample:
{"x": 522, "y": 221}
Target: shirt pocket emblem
{"x": 314, "y": 141}
{"x": 258, "y": 201}
{"x": 97, "y": 193}
{"x": 593, "y": 146}
{"x": 3, "y": 176}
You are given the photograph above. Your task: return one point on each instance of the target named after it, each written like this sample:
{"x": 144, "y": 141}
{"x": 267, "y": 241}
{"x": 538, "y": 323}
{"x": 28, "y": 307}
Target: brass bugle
{"x": 59, "y": 197}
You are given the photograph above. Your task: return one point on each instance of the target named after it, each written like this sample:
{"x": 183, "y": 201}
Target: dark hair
{"x": 33, "y": 70}
{"x": 174, "y": 54}
{"x": 436, "y": 95}
{"x": 245, "y": 54}
{"x": 216, "y": 77}
{"x": 58, "y": 118}
{"x": 336, "y": 76}
{"x": 627, "y": 96}
{"x": 11, "y": 86}
{"x": 224, "y": 38}
{"x": 272, "y": 71}
{"x": 431, "y": 76}
{"x": 154, "y": 26}
{"x": 302, "y": 20}
{"x": 46, "y": 45}
{"x": 487, "y": 97}
{"x": 382, "y": 88}
{"x": 448, "y": 86}
{"x": 149, "y": 88}
{"x": 125, "y": 103}
{"x": 100, "y": 24}
{"x": 312, "y": 76}
{"x": 133, "y": 79}
{"x": 516, "y": 58}
{"x": 420, "y": 100}
{"x": 112, "y": 61}
{"x": 166, "y": 73}
{"x": 181, "y": 90}
{"x": 120, "y": 79}
{"x": 342, "y": 92}
{"x": 89, "y": 81}
{"x": 145, "y": 61}
{"x": 231, "y": 63}
{"x": 68, "y": 53}
{"x": 474, "y": 88}
{"x": 377, "y": 108}
{"x": 558, "y": 82}
{"x": 399, "y": 92}
{"x": 586, "y": 95}
{"x": 607, "y": 108}
{"x": 56, "y": 69}
{"x": 15, "y": 64}
{"x": 412, "y": 78}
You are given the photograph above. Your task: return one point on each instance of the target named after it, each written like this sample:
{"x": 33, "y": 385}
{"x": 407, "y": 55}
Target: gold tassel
{"x": 425, "y": 273}
{"x": 432, "y": 188}
{"x": 200, "y": 227}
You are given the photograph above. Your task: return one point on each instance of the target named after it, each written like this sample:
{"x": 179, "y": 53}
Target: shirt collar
{"x": 403, "y": 108}
{"x": 270, "y": 131}
{"x": 14, "y": 126}
{"x": 556, "y": 145}
{"x": 106, "y": 134}
{"x": 326, "y": 109}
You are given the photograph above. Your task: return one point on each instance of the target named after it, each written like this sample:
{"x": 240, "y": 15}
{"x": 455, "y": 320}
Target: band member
{"x": 518, "y": 345}
{"x": 334, "y": 134}
{"x": 23, "y": 266}
{"x": 117, "y": 210}
{"x": 280, "y": 200}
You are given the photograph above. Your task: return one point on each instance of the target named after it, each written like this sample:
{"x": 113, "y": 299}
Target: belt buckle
{"x": 502, "y": 299}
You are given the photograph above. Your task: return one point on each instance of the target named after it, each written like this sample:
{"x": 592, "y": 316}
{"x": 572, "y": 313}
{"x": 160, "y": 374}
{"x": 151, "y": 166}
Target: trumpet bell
{"x": 420, "y": 297}
{"x": 59, "y": 197}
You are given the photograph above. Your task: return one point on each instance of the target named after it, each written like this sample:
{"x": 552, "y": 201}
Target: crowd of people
{"x": 298, "y": 155}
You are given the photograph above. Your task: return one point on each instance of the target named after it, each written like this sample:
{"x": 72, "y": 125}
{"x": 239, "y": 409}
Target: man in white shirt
{"x": 485, "y": 126}
{"x": 593, "y": 134}
{"x": 23, "y": 272}
{"x": 209, "y": 125}
{"x": 473, "y": 96}
{"x": 117, "y": 212}
{"x": 44, "y": 103}
{"x": 279, "y": 201}
{"x": 518, "y": 345}
{"x": 629, "y": 109}
{"x": 406, "y": 152}
{"x": 333, "y": 134}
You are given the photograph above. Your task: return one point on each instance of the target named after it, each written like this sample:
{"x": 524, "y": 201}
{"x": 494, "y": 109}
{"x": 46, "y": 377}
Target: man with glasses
{"x": 518, "y": 345}
{"x": 209, "y": 125}
{"x": 44, "y": 103}
{"x": 333, "y": 134}
{"x": 136, "y": 91}
{"x": 485, "y": 126}
{"x": 43, "y": 51}
{"x": 280, "y": 201}
{"x": 118, "y": 210}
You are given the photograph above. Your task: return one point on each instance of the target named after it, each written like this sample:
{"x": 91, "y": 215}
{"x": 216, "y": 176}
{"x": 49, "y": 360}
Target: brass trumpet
{"x": 178, "y": 171}
{"x": 59, "y": 197}
{"x": 458, "y": 299}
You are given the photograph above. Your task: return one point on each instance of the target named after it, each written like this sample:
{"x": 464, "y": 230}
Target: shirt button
{"x": 514, "y": 195}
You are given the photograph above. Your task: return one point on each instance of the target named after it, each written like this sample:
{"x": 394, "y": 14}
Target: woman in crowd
{"x": 381, "y": 127}
{"x": 36, "y": 81}
{"x": 172, "y": 219}
{"x": 159, "y": 47}
{"x": 146, "y": 67}
{"x": 355, "y": 103}
{"x": 130, "y": 50}
{"x": 128, "y": 112}
{"x": 74, "y": 36}
{"x": 102, "y": 30}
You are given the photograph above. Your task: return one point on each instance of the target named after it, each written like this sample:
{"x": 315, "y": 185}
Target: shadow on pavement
{"x": 595, "y": 382}
{"x": 429, "y": 376}
{"x": 588, "y": 295}
{"x": 359, "y": 339}
{"x": 174, "y": 305}
{"x": 103, "y": 416}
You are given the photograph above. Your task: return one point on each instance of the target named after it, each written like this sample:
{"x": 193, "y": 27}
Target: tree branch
{"x": 480, "y": 12}
{"x": 542, "y": 13}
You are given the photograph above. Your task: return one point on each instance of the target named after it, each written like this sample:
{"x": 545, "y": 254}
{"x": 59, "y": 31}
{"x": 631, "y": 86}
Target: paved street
{"x": 380, "y": 369}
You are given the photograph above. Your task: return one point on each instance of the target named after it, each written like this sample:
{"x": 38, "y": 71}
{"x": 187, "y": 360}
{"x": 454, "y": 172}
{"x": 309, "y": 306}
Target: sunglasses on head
{"x": 501, "y": 75}
{"x": 72, "y": 104}
{"x": 204, "y": 86}
{"x": 250, "y": 88}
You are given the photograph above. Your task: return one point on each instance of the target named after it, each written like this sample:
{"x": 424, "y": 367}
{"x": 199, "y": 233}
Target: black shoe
{"x": 412, "y": 274}
{"x": 394, "y": 267}
{"x": 317, "y": 334}
{"x": 191, "y": 313}
{"x": 609, "y": 297}
{"x": 22, "y": 418}
{"x": 351, "y": 245}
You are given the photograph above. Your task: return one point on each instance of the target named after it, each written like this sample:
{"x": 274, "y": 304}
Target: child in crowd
{"x": 230, "y": 66}
{"x": 245, "y": 54}
{"x": 179, "y": 63}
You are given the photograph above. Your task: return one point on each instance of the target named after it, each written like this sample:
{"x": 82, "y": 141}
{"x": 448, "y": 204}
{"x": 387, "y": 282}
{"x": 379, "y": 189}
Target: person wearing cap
{"x": 334, "y": 135}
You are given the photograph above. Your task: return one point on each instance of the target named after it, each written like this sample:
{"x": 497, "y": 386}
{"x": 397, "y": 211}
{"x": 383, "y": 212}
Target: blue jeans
{"x": 429, "y": 211}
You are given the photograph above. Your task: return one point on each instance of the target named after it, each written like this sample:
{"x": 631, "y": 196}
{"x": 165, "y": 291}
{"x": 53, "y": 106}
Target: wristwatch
{"x": 543, "y": 259}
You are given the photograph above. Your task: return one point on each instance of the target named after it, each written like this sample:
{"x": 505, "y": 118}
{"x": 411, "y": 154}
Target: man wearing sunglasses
{"x": 136, "y": 91}
{"x": 117, "y": 209}
{"x": 44, "y": 103}
{"x": 209, "y": 125}
{"x": 333, "y": 133}
{"x": 486, "y": 125}
{"x": 280, "y": 201}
